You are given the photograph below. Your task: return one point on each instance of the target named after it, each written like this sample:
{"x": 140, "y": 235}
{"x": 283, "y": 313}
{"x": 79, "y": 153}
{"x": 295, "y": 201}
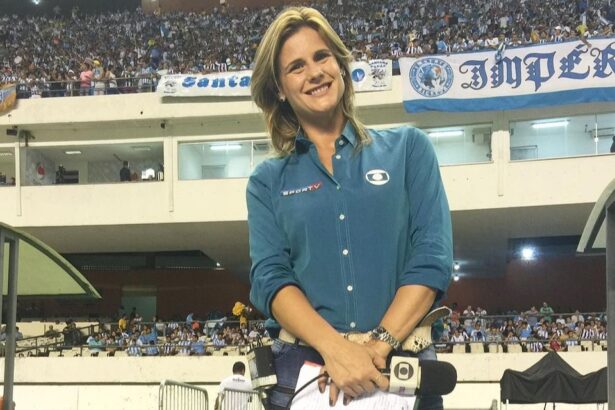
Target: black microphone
{"x": 409, "y": 377}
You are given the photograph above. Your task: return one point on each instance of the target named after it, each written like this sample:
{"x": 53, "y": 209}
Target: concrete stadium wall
{"x": 97, "y": 383}
{"x": 171, "y": 201}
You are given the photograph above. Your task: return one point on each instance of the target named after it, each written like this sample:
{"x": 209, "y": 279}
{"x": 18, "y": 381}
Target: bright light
{"x": 36, "y": 2}
{"x": 456, "y": 278}
{"x": 453, "y": 133}
{"x": 225, "y": 147}
{"x": 76, "y": 152}
{"x": 552, "y": 124}
{"x": 218, "y": 264}
{"x": 528, "y": 253}
{"x": 456, "y": 266}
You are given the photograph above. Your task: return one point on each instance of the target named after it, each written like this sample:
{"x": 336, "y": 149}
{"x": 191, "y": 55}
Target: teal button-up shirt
{"x": 351, "y": 239}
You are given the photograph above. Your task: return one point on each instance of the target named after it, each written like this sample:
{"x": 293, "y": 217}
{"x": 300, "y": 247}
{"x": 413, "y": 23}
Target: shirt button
{"x": 341, "y": 142}
{"x": 353, "y": 325}
{"x": 338, "y": 156}
{"x": 349, "y": 288}
{"x": 342, "y": 217}
{"x": 345, "y": 252}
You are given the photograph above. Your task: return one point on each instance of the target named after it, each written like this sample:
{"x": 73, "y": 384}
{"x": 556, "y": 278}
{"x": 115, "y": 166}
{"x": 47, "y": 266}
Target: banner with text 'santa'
{"x": 375, "y": 75}
{"x": 517, "y": 78}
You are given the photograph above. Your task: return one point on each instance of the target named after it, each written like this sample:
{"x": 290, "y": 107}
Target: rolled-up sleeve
{"x": 430, "y": 254}
{"x": 269, "y": 250}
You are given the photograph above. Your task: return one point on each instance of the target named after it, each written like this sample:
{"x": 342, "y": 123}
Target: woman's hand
{"x": 353, "y": 369}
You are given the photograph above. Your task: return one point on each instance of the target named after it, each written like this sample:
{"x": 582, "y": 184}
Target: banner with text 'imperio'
{"x": 375, "y": 75}
{"x": 525, "y": 77}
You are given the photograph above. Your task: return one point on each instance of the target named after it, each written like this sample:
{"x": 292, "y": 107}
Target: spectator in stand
{"x": 524, "y": 331}
{"x": 571, "y": 339}
{"x": 218, "y": 340}
{"x": 477, "y": 334}
{"x": 532, "y": 315}
{"x": 98, "y": 78}
{"x": 546, "y": 312}
{"x": 110, "y": 81}
{"x": 152, "y": 349}
{"x": 122, "y": 324}
{"x": 542, "y": 333}
{"x": 534, "y": 344}
{"x": 169, "y": 349}
{"x": 494, "y": 335}
{"x": 511, "y": 338}
{"x": 85, "y": 78}
{"x": 554, "y": 343}
{"x": 458, "y": 337}
{"x": 95, "y": 344}
{"x": 184, "y": 345}
{"x": 197, "y": 348}
{"x": 133, "y": 349}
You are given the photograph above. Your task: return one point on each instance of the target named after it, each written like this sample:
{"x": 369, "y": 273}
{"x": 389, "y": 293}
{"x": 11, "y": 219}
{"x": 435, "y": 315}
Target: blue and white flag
{"x": 525, "y": 77}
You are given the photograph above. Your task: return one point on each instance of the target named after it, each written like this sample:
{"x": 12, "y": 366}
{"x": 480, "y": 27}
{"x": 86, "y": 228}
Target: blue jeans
{"x": 289, "y": 358}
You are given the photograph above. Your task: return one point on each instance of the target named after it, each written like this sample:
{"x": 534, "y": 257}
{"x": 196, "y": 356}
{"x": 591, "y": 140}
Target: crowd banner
{"x": 375, "y": 75}
{"x": 525, "y": 77}
{"x": 8, "y": 96}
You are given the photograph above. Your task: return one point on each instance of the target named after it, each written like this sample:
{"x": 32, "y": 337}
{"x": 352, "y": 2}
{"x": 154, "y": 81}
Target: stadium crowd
{"x": 158, "y": 338}
{"x": 536, "y": 329}
{"x": 76, "y": 54}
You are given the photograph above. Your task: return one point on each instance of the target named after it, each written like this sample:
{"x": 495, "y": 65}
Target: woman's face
{"x": 310, "y": 77}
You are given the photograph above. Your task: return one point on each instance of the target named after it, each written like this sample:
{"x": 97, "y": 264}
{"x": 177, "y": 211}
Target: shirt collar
{"x": 302, "y": 142}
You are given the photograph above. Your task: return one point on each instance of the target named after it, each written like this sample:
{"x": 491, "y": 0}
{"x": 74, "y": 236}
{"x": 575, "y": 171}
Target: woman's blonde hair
{"x": 282, "y": 123}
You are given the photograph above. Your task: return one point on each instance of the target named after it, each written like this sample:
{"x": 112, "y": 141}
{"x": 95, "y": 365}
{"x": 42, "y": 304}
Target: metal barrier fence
{"x": 181, "y": 396}
{"x": 239, "y": 400}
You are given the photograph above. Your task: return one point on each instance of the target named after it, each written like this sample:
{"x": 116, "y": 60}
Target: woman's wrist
{"x": 381, "y": 348}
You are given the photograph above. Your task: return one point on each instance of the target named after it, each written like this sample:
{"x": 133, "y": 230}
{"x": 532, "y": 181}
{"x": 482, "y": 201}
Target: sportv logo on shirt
{"x": 309, "y": 188}
{"x": 377, "y": 177}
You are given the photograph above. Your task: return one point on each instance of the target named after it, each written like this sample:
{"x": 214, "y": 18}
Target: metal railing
{"x": 73, "y": 88}
{"x": 239, "y": 400}
{"x": 174, "y": 395}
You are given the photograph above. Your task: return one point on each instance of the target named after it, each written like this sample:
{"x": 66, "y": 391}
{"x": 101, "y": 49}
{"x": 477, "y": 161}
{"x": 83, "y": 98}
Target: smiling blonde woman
{"x": 350, "y": 232}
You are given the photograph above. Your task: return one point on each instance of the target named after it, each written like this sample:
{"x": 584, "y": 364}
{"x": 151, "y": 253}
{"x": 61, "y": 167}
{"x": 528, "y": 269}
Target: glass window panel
{"x": 214, "y": 160}
{"x": 605, "y": 131}
{"x": 262, "y": 151}
{"x": 92, "y": 164}
{"x": 7, "y": 166}
{"x": 462, "y": 145}
{"x": 553, "y": 138}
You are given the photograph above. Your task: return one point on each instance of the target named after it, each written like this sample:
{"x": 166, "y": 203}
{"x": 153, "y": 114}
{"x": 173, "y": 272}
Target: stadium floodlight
{"x": 451, "y": 133}
{"x": 551, "y": 124}
{"x": 528, "y": 253}
{"x": 225, "y": 147}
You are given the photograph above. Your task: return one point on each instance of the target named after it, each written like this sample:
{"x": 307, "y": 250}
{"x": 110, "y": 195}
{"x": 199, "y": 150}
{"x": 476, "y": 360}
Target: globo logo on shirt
{"x": 377, "y": 177}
